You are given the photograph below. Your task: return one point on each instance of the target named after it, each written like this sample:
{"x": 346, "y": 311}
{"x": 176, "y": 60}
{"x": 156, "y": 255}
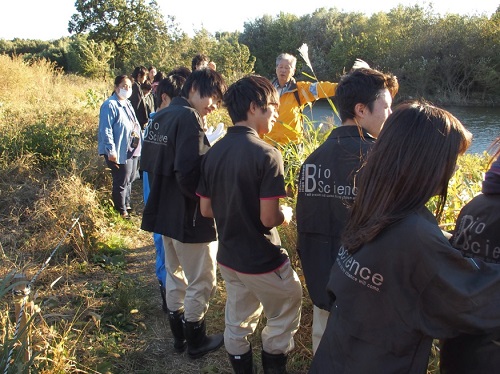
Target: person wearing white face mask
{"x": 119, "y": 140}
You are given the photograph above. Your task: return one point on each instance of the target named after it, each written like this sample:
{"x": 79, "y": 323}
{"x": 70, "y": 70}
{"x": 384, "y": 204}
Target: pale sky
{"x": 46, "y": 20}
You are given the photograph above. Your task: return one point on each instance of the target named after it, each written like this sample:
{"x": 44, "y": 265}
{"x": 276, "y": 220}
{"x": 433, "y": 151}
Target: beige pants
{"x": 278, "y": 294}
{"x": 320, "y": 317}
{"x": 191, "y": 276}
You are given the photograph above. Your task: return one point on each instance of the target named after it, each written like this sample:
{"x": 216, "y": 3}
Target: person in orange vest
{"x": 293, "y": 97}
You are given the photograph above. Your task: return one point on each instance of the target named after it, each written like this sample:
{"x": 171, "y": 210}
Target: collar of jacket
{"x": 179, "y": 100}
{"x": 290, "y": 86}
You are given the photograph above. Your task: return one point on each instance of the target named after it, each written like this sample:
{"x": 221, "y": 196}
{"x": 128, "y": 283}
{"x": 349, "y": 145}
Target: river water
{"x": 482, "y": 122}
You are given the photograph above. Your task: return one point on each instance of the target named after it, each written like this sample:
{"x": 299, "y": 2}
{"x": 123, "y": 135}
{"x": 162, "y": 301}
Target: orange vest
{"x": 289, "y": 126}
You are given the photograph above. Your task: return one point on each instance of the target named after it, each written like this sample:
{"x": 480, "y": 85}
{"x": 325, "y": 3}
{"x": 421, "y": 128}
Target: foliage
{"x": 233, "y": 59}
{"x": 124, "y": 24}
{"x": 50, "y": 174}
{"x": 464, "y": 185}
{"x": 269, "y": 36}
{"x": 448, "y": 59}
{"x": 33, "y": 50}
{"x": 90, "y": 58}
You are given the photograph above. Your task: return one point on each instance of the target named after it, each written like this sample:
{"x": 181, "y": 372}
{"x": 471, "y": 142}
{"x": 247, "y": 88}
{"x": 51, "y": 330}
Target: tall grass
{"x": 49, "y": 174}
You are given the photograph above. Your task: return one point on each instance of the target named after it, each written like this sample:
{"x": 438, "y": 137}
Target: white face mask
{"x": 124, "y": 94}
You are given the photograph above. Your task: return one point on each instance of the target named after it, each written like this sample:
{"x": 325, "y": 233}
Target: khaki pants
{"x": 320, "y": 317}
{"x": 191, "y": 276}
{"x": 278, "y": 294}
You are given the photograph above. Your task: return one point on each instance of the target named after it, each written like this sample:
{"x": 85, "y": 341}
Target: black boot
{"x": 176, "y": 326}
{"x": 242, "y": 364}
{"x": 199, "y": 344}
{"x": 274, "y": 364}
{"x": 163, "y": 292}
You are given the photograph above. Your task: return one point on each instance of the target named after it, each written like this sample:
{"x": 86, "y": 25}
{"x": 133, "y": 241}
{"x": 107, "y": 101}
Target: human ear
{"x": 359, "y": 109}
{"x": 252, "y": 108}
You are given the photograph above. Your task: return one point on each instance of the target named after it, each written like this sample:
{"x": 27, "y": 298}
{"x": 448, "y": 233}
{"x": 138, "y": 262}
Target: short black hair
{"x": 197, "y": 59}
{"x": 208, "y": 82}
{"x": 249, "y": 89}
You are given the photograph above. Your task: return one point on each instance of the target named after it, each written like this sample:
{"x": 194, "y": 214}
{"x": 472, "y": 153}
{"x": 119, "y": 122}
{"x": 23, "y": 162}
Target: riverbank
{"x": 482, "y": 121}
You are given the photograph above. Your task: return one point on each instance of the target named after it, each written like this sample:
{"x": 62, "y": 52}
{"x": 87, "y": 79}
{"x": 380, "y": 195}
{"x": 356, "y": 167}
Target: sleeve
{"x": 312, "y": 91}
{"x": 191, "y": 145}
{"x": 463, "y": 295}
{"x": 135, "y": 98}
{"x": 202, "y": 190}
{"x": 107, "y": 118}
{"x": 273, "y": 181}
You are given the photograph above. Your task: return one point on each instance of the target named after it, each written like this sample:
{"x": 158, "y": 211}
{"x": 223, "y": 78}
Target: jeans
{"x": 123, "y": 176}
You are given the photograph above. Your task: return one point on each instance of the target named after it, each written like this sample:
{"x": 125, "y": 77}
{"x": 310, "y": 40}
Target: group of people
{"x": 122, "y": 121}
{"x": 384, "y": 279}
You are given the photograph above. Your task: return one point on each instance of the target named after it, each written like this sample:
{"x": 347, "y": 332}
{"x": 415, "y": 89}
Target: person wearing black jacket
{"x": 168, "y": 88}
{"x": 397, "y": 283}
{"x": 140, "y": 76}
{"x": 477, "y": 235}
{"x": 173, "y": 147}
{"x": 326, "y": 183}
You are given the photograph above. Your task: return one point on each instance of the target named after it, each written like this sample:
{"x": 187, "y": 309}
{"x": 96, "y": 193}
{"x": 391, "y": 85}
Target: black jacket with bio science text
{"x": 397, "y": 293}
{"x": 476, "y": 235}
{"x": 326, "y": 188}
{"x": 174, "y": 144}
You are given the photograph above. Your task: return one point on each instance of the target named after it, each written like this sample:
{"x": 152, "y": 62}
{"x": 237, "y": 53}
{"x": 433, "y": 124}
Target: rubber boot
{"x": 274, "y": 364}
{"x": 177, "y": 327}
{"x": 163, "y": 293}
{"x": 198, "y": 343}
{"x": 242, "y": 364}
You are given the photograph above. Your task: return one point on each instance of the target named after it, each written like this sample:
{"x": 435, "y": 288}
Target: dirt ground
{"x": 154, "y": 351}
{"x": 71, "y": 290}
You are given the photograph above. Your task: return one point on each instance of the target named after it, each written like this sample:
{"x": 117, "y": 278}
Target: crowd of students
{"x": 384, "y": 279}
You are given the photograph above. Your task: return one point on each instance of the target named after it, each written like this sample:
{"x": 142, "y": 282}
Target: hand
{"x": 287, "y": 213}
{"x": 112, "y": 157}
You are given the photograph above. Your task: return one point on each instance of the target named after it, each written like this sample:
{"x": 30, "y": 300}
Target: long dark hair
{"x": 495, "y": 148}
{"x": 412, "y": 160}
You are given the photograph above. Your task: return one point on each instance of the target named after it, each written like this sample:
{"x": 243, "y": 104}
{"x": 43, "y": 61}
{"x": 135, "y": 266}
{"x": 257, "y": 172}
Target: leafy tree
{"x": 233, "y": 59}
{"x": 128, "y": 25}
{"x": 31, "y": 49}
{"x": 158, "y": 44}
{"x": 91, "y": 58}
{"x": 269, "y": 36}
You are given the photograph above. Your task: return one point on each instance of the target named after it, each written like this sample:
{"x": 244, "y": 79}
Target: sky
{"x": 48, "y": 20}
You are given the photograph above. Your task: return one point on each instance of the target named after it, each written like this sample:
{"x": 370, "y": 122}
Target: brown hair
{"x": 412, "y": 160}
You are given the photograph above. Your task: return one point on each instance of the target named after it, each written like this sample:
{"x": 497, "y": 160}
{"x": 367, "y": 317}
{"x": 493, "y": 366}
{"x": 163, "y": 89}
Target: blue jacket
{"x": 117, "y": 120}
